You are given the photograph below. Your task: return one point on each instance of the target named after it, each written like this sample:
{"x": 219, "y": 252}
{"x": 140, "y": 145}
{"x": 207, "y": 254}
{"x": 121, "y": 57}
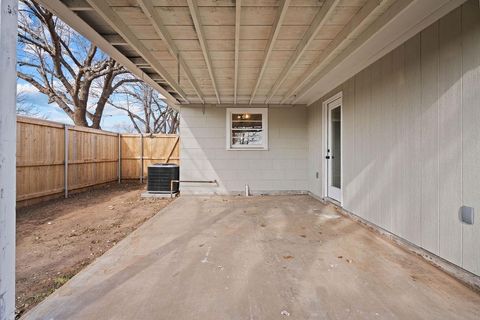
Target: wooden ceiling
{"x": 226, "y": 51}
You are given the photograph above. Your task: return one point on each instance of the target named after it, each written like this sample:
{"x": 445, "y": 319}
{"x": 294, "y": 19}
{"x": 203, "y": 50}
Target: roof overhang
{"x": 247, "y": 52}
{"x": 401, "y": 22}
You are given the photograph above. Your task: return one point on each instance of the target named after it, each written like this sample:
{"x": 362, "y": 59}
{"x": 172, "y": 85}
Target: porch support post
{"x": 8, "y": 42}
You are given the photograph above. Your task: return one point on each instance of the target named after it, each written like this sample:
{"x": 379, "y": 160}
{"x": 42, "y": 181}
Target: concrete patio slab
{"x": 269, "y": 257}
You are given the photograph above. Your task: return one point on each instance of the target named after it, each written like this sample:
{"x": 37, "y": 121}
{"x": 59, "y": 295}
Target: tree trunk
{"x": 80, "y": 117}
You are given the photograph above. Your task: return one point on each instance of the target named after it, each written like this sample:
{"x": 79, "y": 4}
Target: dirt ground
{"x": 58, "y": 238}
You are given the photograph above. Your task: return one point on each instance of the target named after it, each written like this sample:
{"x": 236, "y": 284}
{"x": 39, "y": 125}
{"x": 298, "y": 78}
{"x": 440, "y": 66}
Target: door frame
{"x": 325, "y": 104}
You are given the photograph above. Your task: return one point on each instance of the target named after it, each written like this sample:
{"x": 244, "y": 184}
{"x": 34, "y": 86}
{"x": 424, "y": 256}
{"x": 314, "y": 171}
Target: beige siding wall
{"x": 315, "y": 154}
{"x": 411, "y": 139}
{"x": 203, "y": 154}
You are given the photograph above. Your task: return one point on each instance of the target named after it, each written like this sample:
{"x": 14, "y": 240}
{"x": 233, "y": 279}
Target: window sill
{"x": 247, "y": 149}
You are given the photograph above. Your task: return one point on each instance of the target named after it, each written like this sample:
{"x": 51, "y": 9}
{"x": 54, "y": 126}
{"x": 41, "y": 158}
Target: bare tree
{"x": 65, "y": 66}
{"x": 146, "y": 109}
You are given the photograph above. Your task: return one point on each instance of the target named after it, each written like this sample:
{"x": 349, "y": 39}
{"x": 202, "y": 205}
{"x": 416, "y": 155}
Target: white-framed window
{"x": 247, "y": 128}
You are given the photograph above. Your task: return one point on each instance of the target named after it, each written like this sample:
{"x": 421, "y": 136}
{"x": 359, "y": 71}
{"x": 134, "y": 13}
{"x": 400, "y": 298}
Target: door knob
{"x": 327, "y": 157}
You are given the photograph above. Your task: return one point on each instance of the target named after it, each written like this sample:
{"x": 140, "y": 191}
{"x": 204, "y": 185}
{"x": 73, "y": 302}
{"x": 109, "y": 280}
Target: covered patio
{"x": 368, "y": 104}
{"x": 265, "y": 257}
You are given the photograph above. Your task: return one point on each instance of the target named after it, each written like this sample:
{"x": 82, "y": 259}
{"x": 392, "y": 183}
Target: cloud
{"x": 58, "y": 117}
{"x": 26, "y": 88}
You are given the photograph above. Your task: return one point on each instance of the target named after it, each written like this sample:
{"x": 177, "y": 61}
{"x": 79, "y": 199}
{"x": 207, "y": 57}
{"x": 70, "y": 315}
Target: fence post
{"x": 65, "y": 165}
{"x": 119, "y": 158}
{"x": 141, "y": 158}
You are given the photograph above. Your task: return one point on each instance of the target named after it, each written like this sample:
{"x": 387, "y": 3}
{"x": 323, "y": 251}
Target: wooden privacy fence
{"x": 54, "y": 159}
{"x": 155, "y": 148}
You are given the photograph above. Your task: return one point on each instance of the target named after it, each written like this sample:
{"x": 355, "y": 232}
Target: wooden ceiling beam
{"x": 152, "y": 14}
{"x": 242, "y": 105}
{"x": 282, "y": 11}
{"x": 370, "y": 31}
{"x": 111, "y": 17}
{"x": 140, "y": 62}
{"x": 238, "y": 15}
{"x": 318, "y": 22}
{"x": 66, "y": 14}
{"x": 115, "y": 39}
{"x": 336, "y": 44}
{"x": 195, "y": 14}
{"x": 78, "y": 5}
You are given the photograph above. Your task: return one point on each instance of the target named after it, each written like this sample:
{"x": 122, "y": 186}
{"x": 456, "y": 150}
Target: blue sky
{"x": 113, "y": 119}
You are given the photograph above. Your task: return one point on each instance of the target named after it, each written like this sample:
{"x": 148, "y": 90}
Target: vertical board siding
{"x": 314, "y": 138}
{"x": 378, "y": 187}
{"x": 411, "y": 138}
{"x": 410, "y": 217}
{"x": 348, "y": 134}
{"x": 471, "y": 132}
{"x": 92, "y": 157}
{"x": 362, "y": 103}
{"x": 430, "y": 209}
{"x": 398, "y": 141}
{"x": 319, "y": 156}
{"x": 450, "y": 135}
{"x": 386, "y": 135}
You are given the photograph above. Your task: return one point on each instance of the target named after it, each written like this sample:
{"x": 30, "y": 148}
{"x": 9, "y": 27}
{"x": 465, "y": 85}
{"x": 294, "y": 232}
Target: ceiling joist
{"x": 242, "y": 105}
{"x": 337, "y": 44}
{"x": 152, "y": 14}
{"x": 253, "y": 50}
{"x": 78, "y": 5}
{"x": 371, "y": 30}
{"x": 111, "y": 17}
{"x": 238, "y": 15}
{"x": 282, "y": 11}
{"x": 319, "y": 21}
{"x": 115, "y": 39}
{"x": 194, "y": 12}
{"x": 66, "y": 14}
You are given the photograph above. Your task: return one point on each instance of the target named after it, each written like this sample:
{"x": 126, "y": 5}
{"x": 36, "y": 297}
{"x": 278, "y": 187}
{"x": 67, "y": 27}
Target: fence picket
{"x": 54, "y": 160}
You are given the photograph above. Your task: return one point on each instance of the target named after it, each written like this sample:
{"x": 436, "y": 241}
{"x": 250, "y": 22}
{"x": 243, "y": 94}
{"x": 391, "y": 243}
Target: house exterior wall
{"x": 315, "y": 153}
{"x": 204, "y": 156}
{"x": 411, "y": 139}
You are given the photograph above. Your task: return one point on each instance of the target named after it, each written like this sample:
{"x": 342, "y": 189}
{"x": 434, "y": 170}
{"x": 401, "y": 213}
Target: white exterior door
{"x": 334, "y": 149}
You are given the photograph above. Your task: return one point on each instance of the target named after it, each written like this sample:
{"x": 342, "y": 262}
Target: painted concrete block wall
{"x": 411, "y": 139}
{"x": 203, "y": 154}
